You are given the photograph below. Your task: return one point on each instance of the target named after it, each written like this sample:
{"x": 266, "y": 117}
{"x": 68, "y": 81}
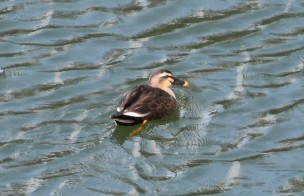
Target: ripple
{"x": 179, "y": 23}
{"x": 285, "y": 148}
{"x": 285, "y": 108}
{"x": 60, "y": 173}
{"x": 296, "y": 32}
{"x": 28, "y": 187}
{"x": 282, "y": 53}
{"x": 46, "y": 123}
{"x": 295, "y": 185}
{"x": 210, "y": 40}
{"x": 243, "y": 139}
{"x": 38, "y": 89}
{"x": 14, "y": 113}
{"x": 42, "y": 160}
{"x": 292, "y": 140}
{"x": 267, "y": 86}
{"x": 279, "y": 17}
{"x": 265, "y": 121}
{"x": 76, "y": 66}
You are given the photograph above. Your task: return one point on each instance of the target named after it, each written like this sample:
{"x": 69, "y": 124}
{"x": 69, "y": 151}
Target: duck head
{"x": 164, "y": 79}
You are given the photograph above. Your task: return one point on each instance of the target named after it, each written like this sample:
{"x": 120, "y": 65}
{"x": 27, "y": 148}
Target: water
{"x": 238, "y": 129}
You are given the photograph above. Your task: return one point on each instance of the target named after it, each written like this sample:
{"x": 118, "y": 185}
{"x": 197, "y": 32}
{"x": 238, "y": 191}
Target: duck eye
{"x": 172, "y": 79}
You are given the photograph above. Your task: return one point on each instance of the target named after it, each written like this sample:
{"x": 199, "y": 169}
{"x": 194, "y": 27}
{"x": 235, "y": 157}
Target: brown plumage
{"x": 149, "y": 102}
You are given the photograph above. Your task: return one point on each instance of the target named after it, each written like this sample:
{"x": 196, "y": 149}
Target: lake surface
{"x": 66, "y": 64}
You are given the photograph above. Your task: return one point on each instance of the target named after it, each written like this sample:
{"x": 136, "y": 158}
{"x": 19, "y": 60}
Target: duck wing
{"x": 144, "y": 103}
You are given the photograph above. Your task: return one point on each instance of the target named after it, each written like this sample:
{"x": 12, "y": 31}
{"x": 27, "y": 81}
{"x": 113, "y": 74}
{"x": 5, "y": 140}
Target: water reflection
{"x": 121, "y": 134}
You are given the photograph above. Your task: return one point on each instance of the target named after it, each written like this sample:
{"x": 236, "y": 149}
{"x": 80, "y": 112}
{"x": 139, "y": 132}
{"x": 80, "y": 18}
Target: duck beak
{"x": 180, "y": 82}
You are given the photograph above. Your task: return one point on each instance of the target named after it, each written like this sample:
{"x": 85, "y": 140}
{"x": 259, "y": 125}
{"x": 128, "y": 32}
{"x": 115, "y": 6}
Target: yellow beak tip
{"x": 186, "y": 83}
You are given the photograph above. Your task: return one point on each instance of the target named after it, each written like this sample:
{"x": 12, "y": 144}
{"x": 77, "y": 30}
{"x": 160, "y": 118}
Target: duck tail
{"x": 125, "y": 120}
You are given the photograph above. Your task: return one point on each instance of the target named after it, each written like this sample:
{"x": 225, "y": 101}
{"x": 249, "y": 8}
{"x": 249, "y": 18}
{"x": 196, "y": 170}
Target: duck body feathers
{"x": 144, "y": 103}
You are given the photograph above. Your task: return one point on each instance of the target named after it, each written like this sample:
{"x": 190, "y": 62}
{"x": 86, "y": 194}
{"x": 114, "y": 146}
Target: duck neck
{"x": 169, "y": 90}
{"x": 163, "y": 87}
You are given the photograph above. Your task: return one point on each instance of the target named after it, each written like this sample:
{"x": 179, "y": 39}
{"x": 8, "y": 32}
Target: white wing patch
{"x": 135, "y": 114}
{"x": 124, "y": 120}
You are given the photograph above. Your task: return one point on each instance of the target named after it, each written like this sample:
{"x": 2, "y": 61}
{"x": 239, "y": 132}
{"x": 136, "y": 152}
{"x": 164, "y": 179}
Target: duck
{"x": 147, "y": 102}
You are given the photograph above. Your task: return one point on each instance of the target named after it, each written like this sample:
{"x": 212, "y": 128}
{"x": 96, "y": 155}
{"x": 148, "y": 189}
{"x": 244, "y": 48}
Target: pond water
{"x": 66, "y": 64}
